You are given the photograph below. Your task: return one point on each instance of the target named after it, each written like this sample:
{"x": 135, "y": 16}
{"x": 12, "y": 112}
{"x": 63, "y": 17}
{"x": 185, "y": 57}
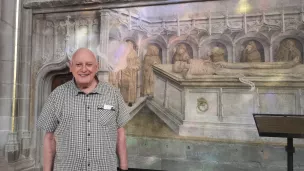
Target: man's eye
{"x": 78, "y": 64}
{"x": 89, "y": 64}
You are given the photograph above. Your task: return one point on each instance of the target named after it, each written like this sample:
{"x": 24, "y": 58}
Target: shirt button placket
{"x": 88, "y": 133}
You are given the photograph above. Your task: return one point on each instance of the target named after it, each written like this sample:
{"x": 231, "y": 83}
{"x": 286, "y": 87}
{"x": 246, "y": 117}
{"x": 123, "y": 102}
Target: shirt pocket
{"x": 106, "y": 117}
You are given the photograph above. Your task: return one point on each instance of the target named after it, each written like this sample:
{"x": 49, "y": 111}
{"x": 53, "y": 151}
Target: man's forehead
{"x": 84, "y": 54}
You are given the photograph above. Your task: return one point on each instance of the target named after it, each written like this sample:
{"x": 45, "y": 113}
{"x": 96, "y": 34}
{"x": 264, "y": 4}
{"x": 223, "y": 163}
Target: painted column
{"x": 104, "y": 33}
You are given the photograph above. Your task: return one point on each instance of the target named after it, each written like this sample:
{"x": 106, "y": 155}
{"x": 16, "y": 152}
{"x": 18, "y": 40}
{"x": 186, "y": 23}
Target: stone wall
{"x": 187, "y": 155}
{"x": 7, "y": 27}
{"x": 153, "y": 145}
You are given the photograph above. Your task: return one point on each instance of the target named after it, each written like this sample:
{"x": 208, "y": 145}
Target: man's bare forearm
{"x": 49, "y": 150}
{"x": 122, "y": 149}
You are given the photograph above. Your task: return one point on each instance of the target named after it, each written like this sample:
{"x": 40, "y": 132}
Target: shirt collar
{"x": 97, "y": 89}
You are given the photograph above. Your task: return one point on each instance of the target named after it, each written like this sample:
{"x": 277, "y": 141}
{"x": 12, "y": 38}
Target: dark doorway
{"x": 61, "y": 79}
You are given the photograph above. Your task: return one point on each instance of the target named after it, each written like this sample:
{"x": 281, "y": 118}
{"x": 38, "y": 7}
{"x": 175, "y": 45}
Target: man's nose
{"x": 84, "y": 68}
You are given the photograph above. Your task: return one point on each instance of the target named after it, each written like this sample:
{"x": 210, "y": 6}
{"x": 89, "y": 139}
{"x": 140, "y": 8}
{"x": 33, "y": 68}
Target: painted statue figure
{"x": 180, "y": 58}
{"x": 217, "y": 54}
{"x": 288, "y": 51}
{"x": 128, "y": 80}
{"x": 251, "y": 53}
{"x": 151, "y": 58}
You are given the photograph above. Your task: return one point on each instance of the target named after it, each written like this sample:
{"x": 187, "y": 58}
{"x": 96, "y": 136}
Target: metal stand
{"x": 290, "y": 150}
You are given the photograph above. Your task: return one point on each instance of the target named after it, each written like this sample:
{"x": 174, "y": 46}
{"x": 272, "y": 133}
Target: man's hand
{"x": 49, "y": 150}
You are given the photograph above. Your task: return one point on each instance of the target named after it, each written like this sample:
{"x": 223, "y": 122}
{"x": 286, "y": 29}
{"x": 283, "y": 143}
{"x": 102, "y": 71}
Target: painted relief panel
{"x": 160, "y": 86}
{"x": 198, "y": 111}
{"x": 48, "y": 41}
{"x": 82, "y": 36}
{"x": 60, "y": 41}
{"x": 174, "y": 95}
{"x": 277, "y": 102}
{"x": 238, "y": 107}
{"x": 94, "y": 39}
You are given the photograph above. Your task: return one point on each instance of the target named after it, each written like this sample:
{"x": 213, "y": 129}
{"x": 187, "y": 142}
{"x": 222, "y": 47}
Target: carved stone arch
{"x": 134, "y": 41}
{"x": 48, "y": 41}
{"x": 43, "y": 88}
{"x": 217, "y": 40}
{"x": 172, "y": 49}
{"x": 262, "y": 43}
{"x": 115, "y": 33}
{"x": 300, "y": 27}
{"x": 256, "y": 35}
{"x": 189, "y": 41}
{"x": 157, "y": 41}
{"x": 298, "y": 36}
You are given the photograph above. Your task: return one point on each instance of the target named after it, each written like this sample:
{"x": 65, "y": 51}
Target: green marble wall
{"x": 152, "y": 145}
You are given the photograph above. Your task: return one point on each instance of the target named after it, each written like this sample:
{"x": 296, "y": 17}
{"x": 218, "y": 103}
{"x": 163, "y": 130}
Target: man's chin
{"x": 82, "y": 82}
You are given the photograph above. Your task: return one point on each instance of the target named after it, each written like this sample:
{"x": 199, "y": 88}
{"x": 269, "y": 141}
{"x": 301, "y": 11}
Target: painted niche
{"x": 288, "y": 50}
{"x": 252, "y": 51}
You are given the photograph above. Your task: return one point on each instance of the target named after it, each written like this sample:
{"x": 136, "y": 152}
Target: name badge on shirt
{"x": 108, "y": 107}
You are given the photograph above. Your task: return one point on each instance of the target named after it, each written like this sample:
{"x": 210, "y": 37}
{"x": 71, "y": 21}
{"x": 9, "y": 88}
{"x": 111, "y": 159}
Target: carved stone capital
{"x": 105, "y": 12}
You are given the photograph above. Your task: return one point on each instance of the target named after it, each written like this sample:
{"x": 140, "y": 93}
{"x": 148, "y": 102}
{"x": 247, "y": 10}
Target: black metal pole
{"x": 290, "y": 150}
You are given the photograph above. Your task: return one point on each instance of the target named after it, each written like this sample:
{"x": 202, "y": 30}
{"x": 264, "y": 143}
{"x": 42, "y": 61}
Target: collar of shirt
{"x": 97, "y": 89}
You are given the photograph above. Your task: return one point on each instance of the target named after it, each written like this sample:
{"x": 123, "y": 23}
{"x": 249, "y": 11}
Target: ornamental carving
{"x": 202, "y": 105}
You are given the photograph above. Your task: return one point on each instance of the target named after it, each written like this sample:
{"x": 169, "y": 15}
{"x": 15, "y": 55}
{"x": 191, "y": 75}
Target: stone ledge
{"x": 118, "y": 3}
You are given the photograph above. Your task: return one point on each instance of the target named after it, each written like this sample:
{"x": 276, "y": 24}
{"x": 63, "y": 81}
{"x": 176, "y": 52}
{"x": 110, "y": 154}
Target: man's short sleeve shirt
{"x": 85, "y": 126}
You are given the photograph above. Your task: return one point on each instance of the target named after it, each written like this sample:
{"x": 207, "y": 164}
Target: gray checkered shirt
{"x": 86, "y": 132}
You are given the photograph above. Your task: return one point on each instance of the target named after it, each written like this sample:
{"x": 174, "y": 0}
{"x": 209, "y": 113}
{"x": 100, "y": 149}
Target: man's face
{"x": 84, "y": 67}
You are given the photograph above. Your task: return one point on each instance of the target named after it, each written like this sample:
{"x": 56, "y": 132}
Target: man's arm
{"x": 49, "y": 150}
{"x": 122, "y": 149}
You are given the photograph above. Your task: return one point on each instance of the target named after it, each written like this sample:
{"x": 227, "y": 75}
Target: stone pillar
{"x": 104, "y": 33}
{"x": 24, "y": 81}
{"x": 7, "y": 29}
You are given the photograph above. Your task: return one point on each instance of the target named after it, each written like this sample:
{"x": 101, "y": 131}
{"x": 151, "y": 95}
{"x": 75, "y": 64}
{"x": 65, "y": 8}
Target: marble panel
{"x": 278, "y": 101}
{"x": 174, "y": 95}
{"x": 149, "y": 147}
{"x": 160, "y": 86}
{"x": 171, "y": 148}
{"x": 142, "y": 162}
{"x": 192, "y": 112}
{"x": 238, "y": 106}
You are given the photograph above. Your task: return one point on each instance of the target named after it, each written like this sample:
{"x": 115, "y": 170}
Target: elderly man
{"x": 84, "y": 120}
